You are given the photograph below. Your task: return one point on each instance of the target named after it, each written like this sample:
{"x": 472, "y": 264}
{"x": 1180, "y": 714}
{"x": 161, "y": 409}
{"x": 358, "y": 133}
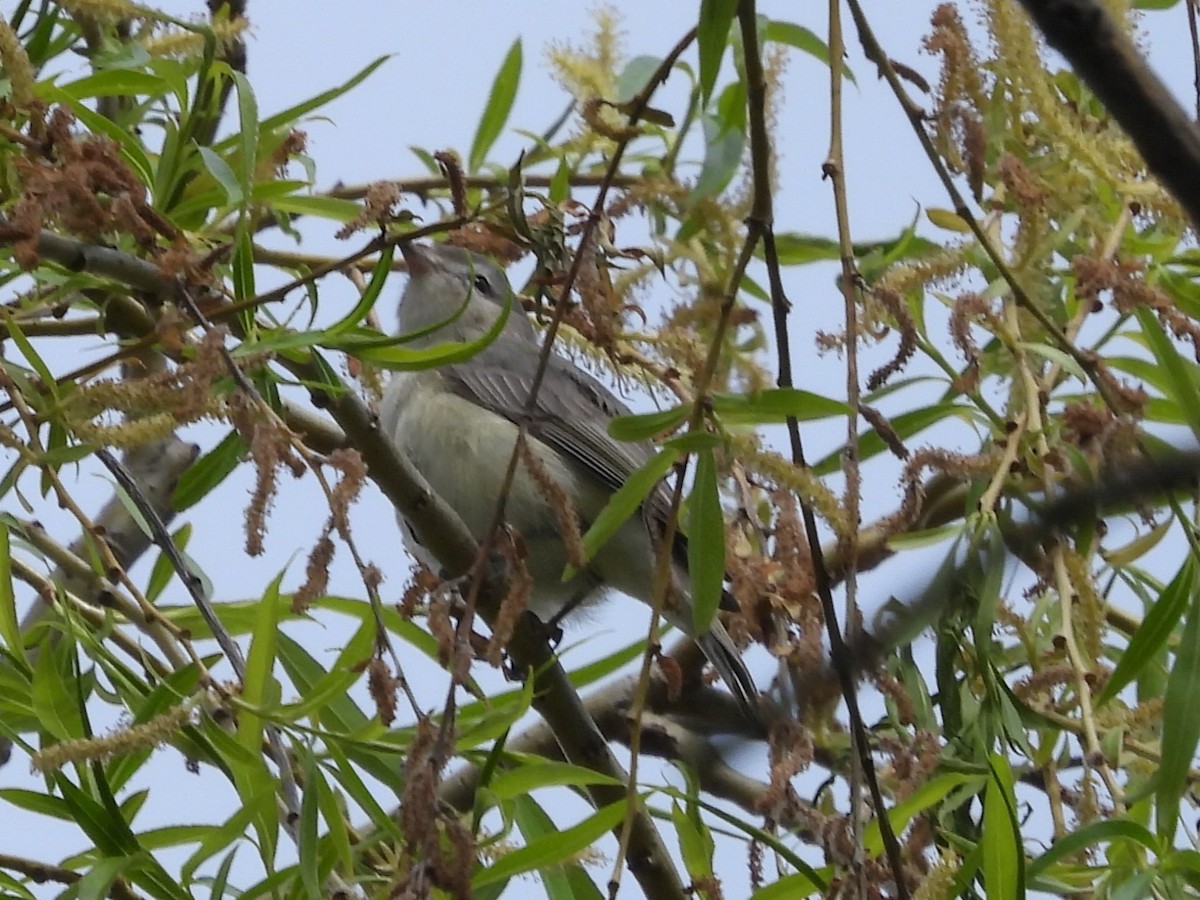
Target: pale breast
{"x": 463, "y": 453}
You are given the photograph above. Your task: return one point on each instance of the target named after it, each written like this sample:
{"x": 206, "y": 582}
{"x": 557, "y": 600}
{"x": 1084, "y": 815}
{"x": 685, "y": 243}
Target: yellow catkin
{"x": 15, "y": 61}
{"x": 148, "y": 735}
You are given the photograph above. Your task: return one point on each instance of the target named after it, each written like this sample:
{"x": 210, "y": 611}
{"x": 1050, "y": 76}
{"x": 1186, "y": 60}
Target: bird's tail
{"x": 718, "y": 646}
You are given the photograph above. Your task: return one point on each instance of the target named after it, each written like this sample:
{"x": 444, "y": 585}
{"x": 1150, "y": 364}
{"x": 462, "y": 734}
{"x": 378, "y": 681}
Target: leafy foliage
{"x": 1046, "y": 742}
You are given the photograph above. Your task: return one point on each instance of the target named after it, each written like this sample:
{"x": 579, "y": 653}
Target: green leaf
{"x": 1181, "y": 387}
{"x": 309, "y": 843}
{"x": 288, "y": 117}
{"x": 554, "y": 849}
{"x": 259, "y": 686}
{"x": 695, "y": 843}
{"x": 379, "y": 274}
{"x": 164, "y": 568}
{"x": 625, "y": 501}
{"x": 529, "y": 777}
{"x": 706, "y": 543}
{"x": 55, "y": 701}
{"x": 1181, "y": 725}
{"x": 1154, "y": 632}
{"x": 115, "y": 83}
{"x": 232, "y": 830}
{"x": 641, "y": 426}
{"x": 930, "y": 793}
{"x": 788, "y": 888}
{"x": 723, "y": 143}
{"x": 797, "y": 249}
{"x": 356, "y": 789}
{"x": 775, "y": 406}
{"x": 1000, "y": 835}
{"x": 10, "y": 628}
{"x": 242, "y": 265}
{"x": 96, "y": 883}
{"x": 383, "y": 351}
{"x": 247, "y": 131}
{"x": 202, "y": 476}
{"x": 334, "y": 208}
{"x": 1056, "y": 356}
{"x": 1094, "y": 833}
{"x": 635, "y": 76}
{"x": 804, "y": 40}
{"x": 712, "y": 35}
{"x": 565, "y": 882}
{"x": 223, "y": 175}
{"x": 499, "y": 106}
{"x": 31, "y": 355}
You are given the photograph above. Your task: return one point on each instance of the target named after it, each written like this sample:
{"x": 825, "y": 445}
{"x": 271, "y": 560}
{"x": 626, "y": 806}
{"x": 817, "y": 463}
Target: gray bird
{"x": 458, "y": 424}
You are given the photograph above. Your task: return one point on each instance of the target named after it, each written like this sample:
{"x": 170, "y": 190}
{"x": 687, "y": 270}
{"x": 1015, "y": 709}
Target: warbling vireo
{"x": 458, "y": 425}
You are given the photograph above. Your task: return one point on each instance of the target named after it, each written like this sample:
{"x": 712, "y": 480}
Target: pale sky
{"x": 430, "y": 94}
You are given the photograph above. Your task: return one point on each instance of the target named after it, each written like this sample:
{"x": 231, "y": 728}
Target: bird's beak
{"x": 419, "y": 257}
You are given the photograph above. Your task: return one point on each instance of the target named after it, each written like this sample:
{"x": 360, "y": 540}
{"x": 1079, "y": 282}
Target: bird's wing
{"x": 571, "y": 412}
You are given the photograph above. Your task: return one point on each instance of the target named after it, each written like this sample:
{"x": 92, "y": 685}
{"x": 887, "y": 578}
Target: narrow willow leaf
{"x": 287, "y": 117}
{"x": 31, "y": 355}
{"x": 164, "y": 569}
{"x": 247, "y": 131}
{"x": 230, "y": 832}
{"x": 625, "y": 501}
{"x": 1139, "y": 546}
{"x": 554, "y": 849}
{"x": 499, "y": 106}
{"x": 1181, "y": 725}
{"x": 379, "y": 274}
{"x": 96, "y": 883}
{"x": 723, "y": 144}
{"x": 712, "y": 35}
{"x": 1108, "y": 831}
{"x": 334, "y": 208}
{"x": 789, "y": 887}
{"x": 309, "y": 841}
{"x": 635, "y": 76}
{"x": 642, "y": 426}
{"x": 568, "y": 882}
{"x": 560, "y": 184}
{"x": 775, "y": 406}
{"x": 242, "y": 265}
{"x": 223, "y": 175}
{"x": 1000, "y": 835}
{"x": 804, "y": 40}
{"x": 10, "y": 629}
{"x": 1181, "y": 388}
{"x": 260, "y": 661}
{"x": 383, "y": 351}
{"x": 115, "y": 83}
{"x": 202, "y": 476}
{"x": 706, "y": 543}
{"x": 531, "y": 776}
{"x": 695, "y": 844}
{"x": 1154, "y": 632}
{"x": 55, "y": 701}
{"x": 1056, "y": 356}
{"x": 927, "y": 795}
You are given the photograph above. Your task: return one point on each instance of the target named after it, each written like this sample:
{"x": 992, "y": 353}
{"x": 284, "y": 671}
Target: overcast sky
{"x": 430, "y": 94}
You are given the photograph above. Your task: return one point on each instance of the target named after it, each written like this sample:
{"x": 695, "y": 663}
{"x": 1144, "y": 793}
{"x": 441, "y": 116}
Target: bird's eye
{"x": 482, "y": 285}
